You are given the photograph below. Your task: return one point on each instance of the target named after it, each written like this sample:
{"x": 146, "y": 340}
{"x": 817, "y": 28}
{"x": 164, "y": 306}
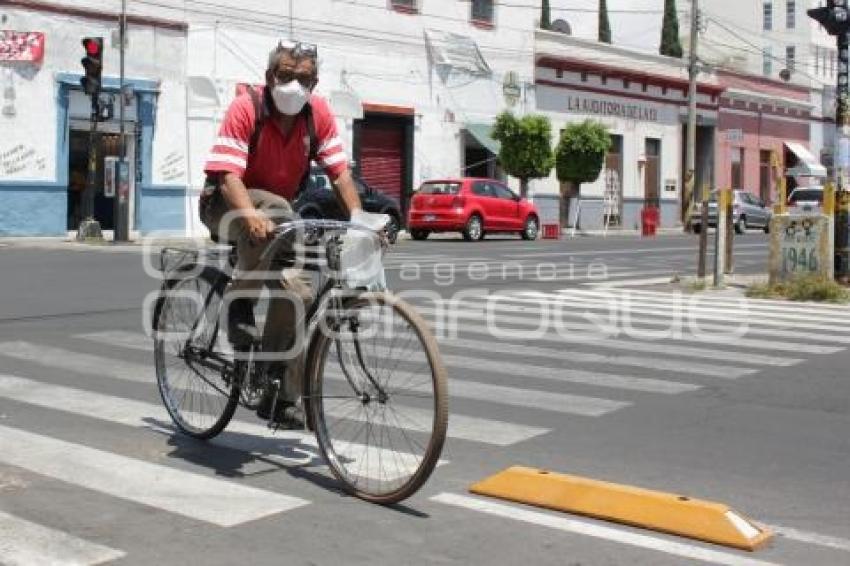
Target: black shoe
{"x": 287, "y": 415}
{"x": 241, "y": 330}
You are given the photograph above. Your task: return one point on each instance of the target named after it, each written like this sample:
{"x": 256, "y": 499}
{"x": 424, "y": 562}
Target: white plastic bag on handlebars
{"x": 361, "y": 257}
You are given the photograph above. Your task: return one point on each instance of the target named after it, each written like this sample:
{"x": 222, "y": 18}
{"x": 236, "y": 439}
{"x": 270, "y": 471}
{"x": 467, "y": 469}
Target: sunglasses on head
{"x": 300, "y": 49}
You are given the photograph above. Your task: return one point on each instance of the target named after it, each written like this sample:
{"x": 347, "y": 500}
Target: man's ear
{"x": 269, "y": 77}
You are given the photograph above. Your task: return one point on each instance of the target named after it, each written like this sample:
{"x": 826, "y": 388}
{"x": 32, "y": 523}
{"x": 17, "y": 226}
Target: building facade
{"x": 44, "y": 152}
{"x": 775, "y": 39}
{"x": 416, "y": 85}
{"x": 642, "y": 99}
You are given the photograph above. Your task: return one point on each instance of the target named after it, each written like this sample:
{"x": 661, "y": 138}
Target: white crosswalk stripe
{"x": 256, "y": 438}
{"x": 730, "y": 316}
{"x": 587, "y": 335}
{"x": 530, "y": 398}
{"x": 24, "y": 543}
{"x": 192, "y": 495}
{"x": 49, "y": 356}
{"x": 476, "y": 429}
{"x": 606, "y": 325}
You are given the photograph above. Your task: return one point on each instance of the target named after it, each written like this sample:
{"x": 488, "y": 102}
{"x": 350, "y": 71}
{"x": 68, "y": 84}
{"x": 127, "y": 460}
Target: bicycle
{"x": 379, "y": 451}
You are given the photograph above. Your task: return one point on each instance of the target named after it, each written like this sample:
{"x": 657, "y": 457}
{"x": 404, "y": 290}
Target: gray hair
{"x": 282, "y": 49}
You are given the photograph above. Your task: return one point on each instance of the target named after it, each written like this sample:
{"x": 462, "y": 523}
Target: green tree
{"x": 526, "y": 147}
{"x": 579, "y": 157}
{"x": 545, "y": 16}
{"x": 604, "y": 25}
{"x": 670, "y": 43}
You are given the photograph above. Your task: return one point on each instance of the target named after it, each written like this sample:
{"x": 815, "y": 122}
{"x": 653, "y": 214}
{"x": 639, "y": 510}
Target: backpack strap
{"x": 260, "y": 115}
{"x": 313, "y": 154}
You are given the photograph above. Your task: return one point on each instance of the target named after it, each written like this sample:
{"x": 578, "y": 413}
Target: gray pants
{"x": 285, "y": 315}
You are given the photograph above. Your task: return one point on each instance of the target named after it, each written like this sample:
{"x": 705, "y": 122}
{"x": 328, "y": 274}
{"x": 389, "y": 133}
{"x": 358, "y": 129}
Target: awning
{"x": 482, "y": 134}
{"x": 807, "y": 165}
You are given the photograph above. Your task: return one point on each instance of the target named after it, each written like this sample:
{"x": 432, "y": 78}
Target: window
{"x": 767, "y": 62}
{"x": 408, "y": 6}
{"x": 767, "y": 13}
{"x": 481, "y": 189}
{"x": 440, "y": 188}
{"x": 502, "y": 192}
{"x": 790, "y": 56}
{"x": 482, "y": 11}
{"x": 790, "y": 14}
{"x": 817, "y": 60}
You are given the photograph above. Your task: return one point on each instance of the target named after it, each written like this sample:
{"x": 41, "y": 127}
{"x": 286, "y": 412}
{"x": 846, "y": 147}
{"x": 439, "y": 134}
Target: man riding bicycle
{"x": 257, "y": 166}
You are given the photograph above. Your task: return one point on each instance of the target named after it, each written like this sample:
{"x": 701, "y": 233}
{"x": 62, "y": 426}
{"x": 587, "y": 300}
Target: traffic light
{"x": 833, "y": 17}
{"x": 93, "y": 64}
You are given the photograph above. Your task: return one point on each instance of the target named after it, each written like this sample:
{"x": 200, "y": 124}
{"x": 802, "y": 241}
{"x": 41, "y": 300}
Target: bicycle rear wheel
{"x": 378, "y": 397}
{"x": 200, "y": 397}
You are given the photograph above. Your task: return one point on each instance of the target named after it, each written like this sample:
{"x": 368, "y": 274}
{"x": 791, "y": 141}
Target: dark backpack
{"x": 261, "y": 114}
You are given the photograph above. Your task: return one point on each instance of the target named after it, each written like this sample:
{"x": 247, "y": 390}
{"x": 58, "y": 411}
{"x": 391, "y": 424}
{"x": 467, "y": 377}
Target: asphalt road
{"x": 746, "y": 403}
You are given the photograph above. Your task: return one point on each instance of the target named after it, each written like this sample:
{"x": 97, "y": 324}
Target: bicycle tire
{"x": 316, "y": 374}
{"x": 205, "y": 280}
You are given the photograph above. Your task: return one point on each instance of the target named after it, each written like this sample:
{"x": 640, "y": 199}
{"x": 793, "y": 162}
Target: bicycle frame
{"x": 311, "y": 231}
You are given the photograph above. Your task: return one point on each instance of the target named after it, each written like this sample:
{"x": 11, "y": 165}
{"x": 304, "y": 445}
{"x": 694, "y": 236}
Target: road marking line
{"x": 805, "y": 306}
{"x": 78, "y": 362}
{"x": 475, "y": 429}
{"x": 597, "y": 379}
{"x": 708, "y": 299}
{"x": 531, "y": 398}
{"x": 728, "y": 315}
{"x": 587, "y": 528}
{"x": 192, "y": 495}
{"x": 703, "y": 337}
{"x": 828, "y": 541}
{"x": 594, "y": 337}
{"x": 23, "y": 543}
{"x": 665, "y": 319}
{"x": 682, "y": 367}
{"x": 252, "y": 438}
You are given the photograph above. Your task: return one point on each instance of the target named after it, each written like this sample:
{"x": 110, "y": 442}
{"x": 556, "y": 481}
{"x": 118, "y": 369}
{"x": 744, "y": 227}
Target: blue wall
{"x": 33, "y": 208}
{"x": 39, "y": 208}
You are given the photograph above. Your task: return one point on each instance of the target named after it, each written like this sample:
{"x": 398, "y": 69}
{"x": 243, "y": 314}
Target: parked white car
{"x": 808, "y": 200}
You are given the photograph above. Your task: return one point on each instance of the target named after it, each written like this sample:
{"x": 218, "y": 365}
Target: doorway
{"x": 652, "y": 173}
{"x": 78, "y": 159}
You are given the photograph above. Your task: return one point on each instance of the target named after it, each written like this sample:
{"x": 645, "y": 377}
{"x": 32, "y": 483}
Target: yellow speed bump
{"x": 665, "y": 512}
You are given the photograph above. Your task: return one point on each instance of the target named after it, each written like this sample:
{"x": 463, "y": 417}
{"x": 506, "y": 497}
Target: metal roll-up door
{"x": 382, "y": 155}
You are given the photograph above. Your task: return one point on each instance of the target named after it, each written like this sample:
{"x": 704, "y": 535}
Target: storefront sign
{"x": 21, "y": 46}
{"x": 602, "y": 107}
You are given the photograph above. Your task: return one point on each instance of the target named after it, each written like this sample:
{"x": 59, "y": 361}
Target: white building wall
{"x": 382, "y": 57}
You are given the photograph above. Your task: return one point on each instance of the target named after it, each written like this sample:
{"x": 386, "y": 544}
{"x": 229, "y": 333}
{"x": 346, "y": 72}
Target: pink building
{"x": 758, "y": 116}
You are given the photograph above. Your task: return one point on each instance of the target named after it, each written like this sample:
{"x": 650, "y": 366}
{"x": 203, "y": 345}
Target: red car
{"x": 471, "y": 206}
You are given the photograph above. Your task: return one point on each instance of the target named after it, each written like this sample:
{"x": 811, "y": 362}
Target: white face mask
{"x": 290, "y": 98}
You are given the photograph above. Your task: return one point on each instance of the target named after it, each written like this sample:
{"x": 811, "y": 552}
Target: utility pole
{"x": 121, "y": 204}
{"x": 835, "y": 19}
{"x": 691, "y": 143}
{"x": 723, "y": 204}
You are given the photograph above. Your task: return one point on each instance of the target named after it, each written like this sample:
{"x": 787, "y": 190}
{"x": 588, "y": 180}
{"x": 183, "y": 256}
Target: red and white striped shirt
{"x": 279, "y": 161}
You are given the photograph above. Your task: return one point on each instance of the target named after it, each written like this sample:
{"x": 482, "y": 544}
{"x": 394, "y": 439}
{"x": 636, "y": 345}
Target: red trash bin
{"x": 649, "y": 218}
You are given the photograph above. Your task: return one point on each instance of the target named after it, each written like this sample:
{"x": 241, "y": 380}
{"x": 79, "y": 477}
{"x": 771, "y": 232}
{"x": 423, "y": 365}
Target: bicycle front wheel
{"x": 378, "y": 396}
{"x": 198, "y": 394}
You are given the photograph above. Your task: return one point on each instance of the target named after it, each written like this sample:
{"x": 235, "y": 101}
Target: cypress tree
{"x": 670, "y": 44}
{"x": 545, "y": 16}
{"x": 604, "y": 26}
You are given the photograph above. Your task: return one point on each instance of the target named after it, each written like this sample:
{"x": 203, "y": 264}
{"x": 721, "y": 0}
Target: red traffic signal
{"x": 93, "y": 46}
{"x": 93, "y": 65}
